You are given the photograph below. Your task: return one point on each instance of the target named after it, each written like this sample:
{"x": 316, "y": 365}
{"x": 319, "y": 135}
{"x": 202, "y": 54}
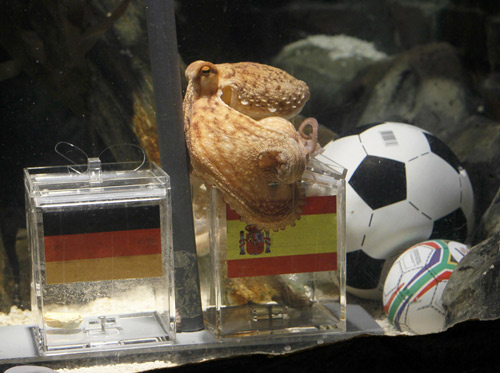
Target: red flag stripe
{"x": 281, "y": 265}
{"x": 441, "y": 277}
{"x": 320, "y": 205}
{"x": 102, "y": 245}
{"x": 314, "y": 205}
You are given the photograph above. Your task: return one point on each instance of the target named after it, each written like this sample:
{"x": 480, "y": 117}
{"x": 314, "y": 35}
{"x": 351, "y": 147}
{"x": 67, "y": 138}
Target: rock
{"x": 477, "y": 145}
{"x": 473, "y": 290}
{"x": 338, "y": 58}
{"x": 424, "y": 86}
{"x": 490, "y": 222}
{"x": 366, "y": 20}
{"x": 326, "y": 64}
{"x": 353, "y": 84}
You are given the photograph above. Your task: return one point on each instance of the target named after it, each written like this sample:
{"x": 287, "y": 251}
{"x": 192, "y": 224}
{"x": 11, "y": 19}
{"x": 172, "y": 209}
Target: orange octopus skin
{"x": 261, "y": 91}
{"x": 255, "y": 164}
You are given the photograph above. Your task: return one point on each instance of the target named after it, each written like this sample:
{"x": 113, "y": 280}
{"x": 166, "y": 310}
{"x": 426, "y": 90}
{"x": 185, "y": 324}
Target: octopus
{"x": 63, "y": 320}
{"x": 261, "y": 91}
{"x": 264, "y": 290}
{"x": 240, "y": 141}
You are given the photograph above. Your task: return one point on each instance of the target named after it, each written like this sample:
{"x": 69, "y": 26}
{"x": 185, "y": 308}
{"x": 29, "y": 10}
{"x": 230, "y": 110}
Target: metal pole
{"x": 172, "y": 145}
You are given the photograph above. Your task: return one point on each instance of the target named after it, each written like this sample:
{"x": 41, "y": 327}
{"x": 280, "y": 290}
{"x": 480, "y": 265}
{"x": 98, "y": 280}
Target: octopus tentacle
{"x": 310, "y": 142}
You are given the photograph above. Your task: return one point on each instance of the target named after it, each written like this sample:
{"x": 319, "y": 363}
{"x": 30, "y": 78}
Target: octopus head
{"x": 204, "y": 76}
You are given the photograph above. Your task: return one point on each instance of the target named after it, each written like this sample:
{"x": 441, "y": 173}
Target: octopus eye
{"x": 205, "y": 70}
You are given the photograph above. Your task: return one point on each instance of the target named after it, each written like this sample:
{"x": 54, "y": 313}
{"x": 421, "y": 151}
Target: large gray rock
{"x": 352, "y": 83}
{"x": 473, "y": 290}
{"x": 425, "y": 86}
{"x": 326, "y": 64}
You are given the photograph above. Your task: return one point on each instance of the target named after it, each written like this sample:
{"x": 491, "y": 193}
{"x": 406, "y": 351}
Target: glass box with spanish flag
{"x": 292, "y": 281}
{"x": 100, "y": 238}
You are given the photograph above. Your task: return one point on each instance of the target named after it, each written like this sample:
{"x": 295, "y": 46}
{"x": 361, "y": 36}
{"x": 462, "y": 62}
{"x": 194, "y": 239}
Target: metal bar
{"x": 172, "y": 145}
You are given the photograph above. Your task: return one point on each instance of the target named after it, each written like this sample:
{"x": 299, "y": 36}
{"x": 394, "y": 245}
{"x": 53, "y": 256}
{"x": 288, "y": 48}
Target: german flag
{"x": 102, "y": 244}
{"x": 309, "y": 246}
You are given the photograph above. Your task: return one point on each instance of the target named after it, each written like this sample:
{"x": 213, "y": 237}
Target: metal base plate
{"x": 18, "y": 346}
{"x": 104, "y": 332}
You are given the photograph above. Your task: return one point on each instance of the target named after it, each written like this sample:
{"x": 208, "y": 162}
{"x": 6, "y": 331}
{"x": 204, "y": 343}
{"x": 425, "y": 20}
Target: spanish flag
{"x": 309, "y": 246}
{"x": 102, "y": 244}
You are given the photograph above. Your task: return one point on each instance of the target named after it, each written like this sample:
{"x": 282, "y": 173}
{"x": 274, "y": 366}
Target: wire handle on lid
{"x": 93, "y": 164}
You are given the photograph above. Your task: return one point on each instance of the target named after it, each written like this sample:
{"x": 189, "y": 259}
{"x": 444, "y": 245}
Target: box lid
{"x": 95, "y": 182}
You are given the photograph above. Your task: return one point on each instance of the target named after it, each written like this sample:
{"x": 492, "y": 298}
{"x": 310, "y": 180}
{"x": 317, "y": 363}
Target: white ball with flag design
{"x": 415, "y": 283}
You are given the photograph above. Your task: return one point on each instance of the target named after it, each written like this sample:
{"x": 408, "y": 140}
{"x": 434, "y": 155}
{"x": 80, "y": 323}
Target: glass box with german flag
{"x": 101, "y": 247}
{"x": 284, "y": 282}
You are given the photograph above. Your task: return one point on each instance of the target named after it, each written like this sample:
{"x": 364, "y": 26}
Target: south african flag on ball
{"x": 415, "y": 283}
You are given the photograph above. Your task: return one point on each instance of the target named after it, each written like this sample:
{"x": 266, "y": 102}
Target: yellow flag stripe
{"x": 100, "y": 269}
{"x": 312, "y": 234}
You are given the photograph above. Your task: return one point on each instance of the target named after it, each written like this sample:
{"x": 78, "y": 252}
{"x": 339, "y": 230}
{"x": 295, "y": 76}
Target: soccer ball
{"x": 415, "y": 283}
{"x": 403, "y": 186}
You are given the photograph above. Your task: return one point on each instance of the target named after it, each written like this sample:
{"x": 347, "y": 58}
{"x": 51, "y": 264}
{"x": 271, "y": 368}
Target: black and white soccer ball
{"x": 403, "y": 186}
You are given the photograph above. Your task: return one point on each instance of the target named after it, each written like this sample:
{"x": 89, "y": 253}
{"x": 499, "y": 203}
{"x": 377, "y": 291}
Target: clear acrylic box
{"x": 258, "y": 283}
{"x": 102, "y": 256}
